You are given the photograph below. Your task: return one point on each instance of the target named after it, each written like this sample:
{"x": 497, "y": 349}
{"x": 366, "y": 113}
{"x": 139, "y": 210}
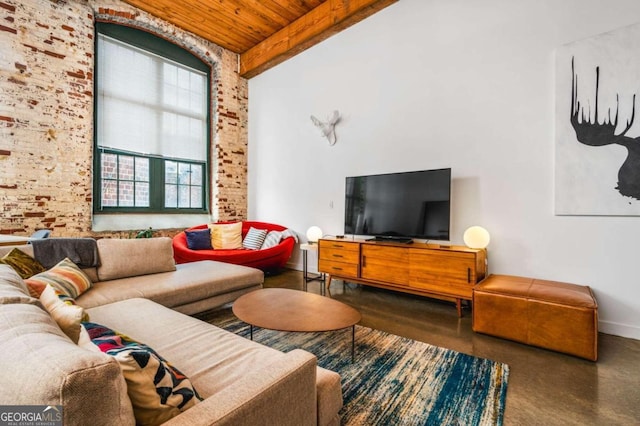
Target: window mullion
{"x": 156, "y": 184}
{"x": 117, "y": 181}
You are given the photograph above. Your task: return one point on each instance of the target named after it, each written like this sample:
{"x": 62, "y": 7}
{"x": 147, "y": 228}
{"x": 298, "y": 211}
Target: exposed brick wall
{"x": 46, "y": 114}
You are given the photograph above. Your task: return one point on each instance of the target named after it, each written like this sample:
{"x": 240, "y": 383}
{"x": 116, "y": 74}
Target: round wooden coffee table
{"x": 293, "y": 310}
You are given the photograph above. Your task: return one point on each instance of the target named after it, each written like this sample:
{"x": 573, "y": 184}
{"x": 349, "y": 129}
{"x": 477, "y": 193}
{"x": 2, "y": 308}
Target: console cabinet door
{"x": 339, "y": 258}
{"x": 444, "y": 272}
{"x": 385, "y": 264}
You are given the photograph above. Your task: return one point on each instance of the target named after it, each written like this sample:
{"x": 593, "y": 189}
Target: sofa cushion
{"x": 226, "y": 235}
{"x": 254, "y": 238}
{"x": 199, "y": 239}
{"x": 68, "y": 316}
{"x": 221, "y": 365}
{"x": 121, "y": 258}
{"x": 158, "y": 391}
{"x": 190, "y": 282}
{"x": 65, "y": 276}
{"x": 55, "y": 371}
{"x": 273, "y": 239}
{"x": 13, "y": 288}
{"x": 212, "y": 363}
{"x": 25, "y": 265}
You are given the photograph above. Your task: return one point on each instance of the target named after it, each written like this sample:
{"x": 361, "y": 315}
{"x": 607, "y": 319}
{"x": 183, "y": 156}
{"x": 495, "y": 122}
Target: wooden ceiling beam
{"x": 322, "y": 22}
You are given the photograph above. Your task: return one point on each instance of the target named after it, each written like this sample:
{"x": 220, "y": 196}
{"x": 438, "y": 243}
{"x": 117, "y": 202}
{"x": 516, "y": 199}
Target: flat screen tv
{"x": 399, "y": 206}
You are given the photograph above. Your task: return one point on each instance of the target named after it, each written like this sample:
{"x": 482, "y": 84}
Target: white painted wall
{"x": 439, "y": 83}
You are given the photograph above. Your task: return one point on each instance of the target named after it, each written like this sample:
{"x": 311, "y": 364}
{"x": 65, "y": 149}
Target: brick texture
{"x": 46, "y": 114}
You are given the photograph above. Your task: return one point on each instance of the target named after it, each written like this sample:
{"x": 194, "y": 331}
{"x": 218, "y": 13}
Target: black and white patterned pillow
{"x": 254, "y": 238}
{"x": 272, "y": 240}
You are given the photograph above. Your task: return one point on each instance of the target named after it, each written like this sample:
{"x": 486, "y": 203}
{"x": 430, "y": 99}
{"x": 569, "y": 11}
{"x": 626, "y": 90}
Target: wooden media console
{"x": 432, "y": 270}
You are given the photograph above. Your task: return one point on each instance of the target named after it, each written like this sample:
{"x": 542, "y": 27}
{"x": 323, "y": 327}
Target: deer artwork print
{"x": 597, "y": 131}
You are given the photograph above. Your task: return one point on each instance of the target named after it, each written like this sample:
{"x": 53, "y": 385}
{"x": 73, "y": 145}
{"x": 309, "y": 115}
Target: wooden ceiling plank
{"x": 223, "y": 26}
{"x": 293, "y": 9}
{"x": 325, "y": 20}
{"x": 277, "y": 17}
{"x": 218, "y": 28}
{"x": 248, "y": 16}
{"x": 223, "y": 35}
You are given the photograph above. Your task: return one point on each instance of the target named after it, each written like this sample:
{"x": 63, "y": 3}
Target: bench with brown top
{"x": 552, "y": 315}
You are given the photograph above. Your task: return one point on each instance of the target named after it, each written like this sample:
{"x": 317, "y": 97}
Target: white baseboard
{"x": 617, "y": 329}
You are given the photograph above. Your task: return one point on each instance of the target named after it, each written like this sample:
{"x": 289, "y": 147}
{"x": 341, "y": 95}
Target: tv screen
{"x": 407, "y": 205}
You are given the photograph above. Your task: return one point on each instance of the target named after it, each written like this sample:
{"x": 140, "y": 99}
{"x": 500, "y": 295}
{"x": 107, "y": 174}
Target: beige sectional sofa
{"x": 241, "y": 382}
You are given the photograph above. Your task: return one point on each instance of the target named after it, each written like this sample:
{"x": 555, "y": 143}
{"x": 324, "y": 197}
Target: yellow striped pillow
{"x": 65, "y": 276}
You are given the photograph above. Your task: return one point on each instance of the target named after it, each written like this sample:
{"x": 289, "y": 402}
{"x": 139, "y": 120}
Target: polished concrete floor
{"x": 545, "y": 388}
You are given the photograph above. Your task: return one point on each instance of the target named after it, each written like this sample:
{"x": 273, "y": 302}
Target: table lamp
{"x": 314, "y": 234}
{"x": 476, "y": 237}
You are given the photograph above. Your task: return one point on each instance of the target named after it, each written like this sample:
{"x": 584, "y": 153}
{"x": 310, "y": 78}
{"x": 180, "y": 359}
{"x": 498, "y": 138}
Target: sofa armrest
{"x": 283, "y": 393}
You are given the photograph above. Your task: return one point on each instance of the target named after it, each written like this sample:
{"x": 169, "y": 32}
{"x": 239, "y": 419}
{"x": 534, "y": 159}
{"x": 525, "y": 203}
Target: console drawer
{"x": 339, "y": 245}
{"x": 339, "y": 255}
{"x": 339, "y": 269}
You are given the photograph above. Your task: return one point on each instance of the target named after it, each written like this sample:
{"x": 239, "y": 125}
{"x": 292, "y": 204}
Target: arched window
{"x": 151, "y": 125}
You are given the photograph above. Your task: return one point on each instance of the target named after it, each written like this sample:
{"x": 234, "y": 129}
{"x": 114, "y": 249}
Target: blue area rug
{"x": 395, "y": 380}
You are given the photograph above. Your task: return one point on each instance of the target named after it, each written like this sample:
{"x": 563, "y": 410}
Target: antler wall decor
{"x": 328, "y": 128}
{"x": 596, "y": 132}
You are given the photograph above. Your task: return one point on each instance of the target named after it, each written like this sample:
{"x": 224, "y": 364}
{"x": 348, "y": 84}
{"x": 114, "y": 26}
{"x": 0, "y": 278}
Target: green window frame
{"x": 135, "y": 181}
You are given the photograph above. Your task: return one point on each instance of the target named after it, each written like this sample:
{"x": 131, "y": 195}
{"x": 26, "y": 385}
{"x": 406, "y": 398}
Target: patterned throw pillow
{"x": 272, "y": 240}
{"x": 199, "y": 239}
{"x": 65, "y": 276}
{"x": 64, "y": 312}
{"x": 226, "y": 235}
{"x": 254, "y": 238}
{"x": 25, "y": 265}
{"x": 158, "y": 391}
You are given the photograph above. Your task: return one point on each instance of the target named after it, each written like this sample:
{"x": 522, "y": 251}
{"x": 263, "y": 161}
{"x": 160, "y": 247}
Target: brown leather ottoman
{"x": 552, "y": 315}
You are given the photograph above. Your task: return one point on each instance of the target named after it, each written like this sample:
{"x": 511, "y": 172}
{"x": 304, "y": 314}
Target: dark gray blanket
{"x": 81, "y": 251}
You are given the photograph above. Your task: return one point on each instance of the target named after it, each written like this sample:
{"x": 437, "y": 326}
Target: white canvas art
{"x": 597, "y": 164}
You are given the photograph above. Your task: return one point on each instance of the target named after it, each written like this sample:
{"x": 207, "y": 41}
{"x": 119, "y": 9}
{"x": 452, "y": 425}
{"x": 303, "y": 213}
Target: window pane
{"x": 125, "y": 194}
{"x": 183, "y": 78}
{"x": 171, "y": 196}
{"x": 196, "y": 174}
{"x": 142, "y": 169}
{"x": 183, "y": 98}
{"x": 142, "y": 194}
{"x": 136, "y": 129}
{"x": 184, "y": 197}
{"x": 196, "y": 197}
{"x": 170, "y": 89}
{"x": 109, "y": 163}
{"x": 125, "y": 167}
{"x": 170, "y": 172}
{"x": 184, "y": 174}
{"x": 109, "y": 193}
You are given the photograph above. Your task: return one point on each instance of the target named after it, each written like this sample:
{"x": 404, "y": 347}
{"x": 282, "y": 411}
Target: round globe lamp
{"x": 476, "y": 237}
{"x": 314, "y": 234}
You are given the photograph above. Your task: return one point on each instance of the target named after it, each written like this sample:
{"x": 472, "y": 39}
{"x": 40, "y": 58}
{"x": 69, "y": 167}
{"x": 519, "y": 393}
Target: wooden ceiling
{"x": 263, "y": 32}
